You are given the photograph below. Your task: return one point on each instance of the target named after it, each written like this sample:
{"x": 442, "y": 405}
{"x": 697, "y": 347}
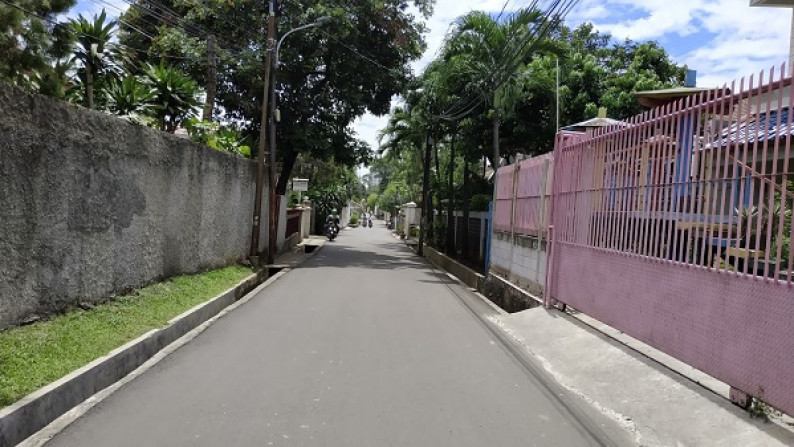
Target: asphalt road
{"x": 363, "y": 345}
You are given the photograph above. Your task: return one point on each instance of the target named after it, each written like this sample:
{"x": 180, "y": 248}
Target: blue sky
{"x": 721, "y": 39}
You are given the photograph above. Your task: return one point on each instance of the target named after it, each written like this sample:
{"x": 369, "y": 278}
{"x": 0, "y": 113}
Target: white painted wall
{"x": 519, "y": 263}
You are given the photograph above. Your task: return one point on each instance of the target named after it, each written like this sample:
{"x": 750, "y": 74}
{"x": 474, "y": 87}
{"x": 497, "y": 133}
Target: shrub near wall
{"x": 92, "y": 205}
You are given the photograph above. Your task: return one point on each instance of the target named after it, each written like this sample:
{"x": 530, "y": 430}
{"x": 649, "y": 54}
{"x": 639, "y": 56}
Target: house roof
{"x": 595, "y": 122}
{"x": 654, "y": 98}
{"x": 762, "y": 128}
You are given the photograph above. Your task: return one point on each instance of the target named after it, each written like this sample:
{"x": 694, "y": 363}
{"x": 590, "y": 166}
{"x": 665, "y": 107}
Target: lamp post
{"x": 275, "y": 204}
{"x": 271, "y": 60}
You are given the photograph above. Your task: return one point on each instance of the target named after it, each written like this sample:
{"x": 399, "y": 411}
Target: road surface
{"x": 363, "y": 345}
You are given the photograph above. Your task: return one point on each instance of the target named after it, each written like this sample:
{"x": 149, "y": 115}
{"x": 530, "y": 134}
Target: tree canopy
{"x": 327, "y": 77}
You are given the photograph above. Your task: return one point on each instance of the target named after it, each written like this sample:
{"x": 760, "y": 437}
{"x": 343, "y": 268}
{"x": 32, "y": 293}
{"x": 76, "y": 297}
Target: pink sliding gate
{"x": 675, "y": 227}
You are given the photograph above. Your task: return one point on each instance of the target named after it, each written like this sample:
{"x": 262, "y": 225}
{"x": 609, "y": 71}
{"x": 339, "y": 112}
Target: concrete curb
{"x": 64, "y": 397}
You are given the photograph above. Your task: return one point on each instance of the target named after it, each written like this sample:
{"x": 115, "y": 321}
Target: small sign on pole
{"x": 300, "y": 184}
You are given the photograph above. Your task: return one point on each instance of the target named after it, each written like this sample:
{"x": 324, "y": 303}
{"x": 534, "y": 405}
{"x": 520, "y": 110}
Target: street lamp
{"x": 271, "y": 61}
{"x": 274, "y": 205}
{"x": 324, "y": 20}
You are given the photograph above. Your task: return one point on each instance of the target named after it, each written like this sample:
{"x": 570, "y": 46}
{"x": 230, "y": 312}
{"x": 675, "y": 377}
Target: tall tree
{"x": 327, "y": 77}
{"x": 94, "y": 51}
{"x": 31, "y": 43}
{"x": 494, "y": 55}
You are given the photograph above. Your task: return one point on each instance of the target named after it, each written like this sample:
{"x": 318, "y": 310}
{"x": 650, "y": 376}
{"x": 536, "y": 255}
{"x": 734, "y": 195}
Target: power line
{"x": 552, "y": 17}
{"x": 56, "y": 23}
{"x": 170, "y": 20}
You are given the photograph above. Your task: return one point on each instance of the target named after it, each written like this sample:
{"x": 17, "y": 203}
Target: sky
{"x": 721, "y": 39}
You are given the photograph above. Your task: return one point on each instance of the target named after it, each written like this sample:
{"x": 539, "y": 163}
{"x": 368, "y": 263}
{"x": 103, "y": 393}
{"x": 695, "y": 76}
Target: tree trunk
{"x": 466, "y": 200}
{"x": 286, "y": 171}
{"x": 450, "y": 245}
{"x": 496, "y": 124}
{"x": 425, "y": 184}
{"x": 89, "y": 88}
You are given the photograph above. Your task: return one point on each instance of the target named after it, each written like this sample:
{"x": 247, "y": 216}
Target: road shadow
{"x": 380, "y": 256}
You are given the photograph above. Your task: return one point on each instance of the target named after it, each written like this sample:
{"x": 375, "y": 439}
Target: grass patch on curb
{"x": 33, "y": 356}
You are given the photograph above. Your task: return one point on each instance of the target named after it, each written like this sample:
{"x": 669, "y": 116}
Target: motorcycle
{"x": 331, "y": 230}
{"x": 370, "y": 222}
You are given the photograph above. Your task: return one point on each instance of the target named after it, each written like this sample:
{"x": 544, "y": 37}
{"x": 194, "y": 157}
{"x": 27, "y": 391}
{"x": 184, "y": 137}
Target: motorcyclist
{"x": 333, "y": 218}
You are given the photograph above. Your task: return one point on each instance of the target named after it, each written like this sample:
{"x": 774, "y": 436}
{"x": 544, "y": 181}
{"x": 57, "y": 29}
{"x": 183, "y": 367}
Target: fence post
{"x": 483, "y": 236}
{"x": 488, "y": 236}
{"x": 516, "y": 168}
{"x": 547, "y": 289}
{"x": 544, "y": 183}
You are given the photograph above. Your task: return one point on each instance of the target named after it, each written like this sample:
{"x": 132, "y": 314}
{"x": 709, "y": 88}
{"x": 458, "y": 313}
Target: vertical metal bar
{"x": 725, "y": 109}
{"x": 628, "y": 236}
{"x": 680, "y": 178}
{"x": 646, "y": 190}
{"x": 784, "y": 207}
{"x": 598, "y": 194}
{"x": 691, "y": 204}
{"x": 734, "y": 115}
{"x": 578, "y": 213}
{"x": 741, "y": 148}
{"x": 610, "y": 179}
{"x": 771, "y": 202}
{"x": 709, "y": 186}
{"x": 657, "y": 192}
{"x": 670, "y": 131}
{"x": 753, "y": 115}
{"x": 661, "y": 133}
{"x": 713, "y": 191}
{"x": 620, "y": 198}
{"x": 762, "y": 173}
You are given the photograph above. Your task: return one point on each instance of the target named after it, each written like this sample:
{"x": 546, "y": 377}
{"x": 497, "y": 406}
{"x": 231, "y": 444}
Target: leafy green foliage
{"x": 129, "y": 96}
{"x": 372, "y": 201}
{"x": 479, "y": 202}
{"x": 174, "y": 95}
{"x": 215, "y": 135}
{"x": 323, "y": 82}
{"x": 31, "y": 46}
{"x": 94, "y": 52}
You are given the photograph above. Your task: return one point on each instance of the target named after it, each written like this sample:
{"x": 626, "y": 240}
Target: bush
{"x": 414, "y": 231}
{"x": 354, "y": 219}
{"x": 217, "y": 136}
{"x": 479, "y": 202}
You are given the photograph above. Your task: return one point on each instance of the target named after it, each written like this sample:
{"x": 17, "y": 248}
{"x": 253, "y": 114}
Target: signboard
{"x": 300, "y": 184}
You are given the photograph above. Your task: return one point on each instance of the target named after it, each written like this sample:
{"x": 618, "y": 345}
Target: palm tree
{"x": 94, "y": 50}
{"x": 489, "y": 56}
{"x": 174, "y": 95}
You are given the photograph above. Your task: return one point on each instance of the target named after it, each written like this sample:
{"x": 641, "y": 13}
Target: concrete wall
{"x": 92, "y": 206}
{"x": 523, "y": 264}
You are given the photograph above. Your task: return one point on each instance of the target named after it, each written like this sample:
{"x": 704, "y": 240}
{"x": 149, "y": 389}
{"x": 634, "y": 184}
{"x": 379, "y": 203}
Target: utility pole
{"x": 212, "y": 79}
{"x": 260, "y": 159}
{"x": 275, "y": 203}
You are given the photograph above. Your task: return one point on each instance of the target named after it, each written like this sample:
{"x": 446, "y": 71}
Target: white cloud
{"x": 741, "y": 39}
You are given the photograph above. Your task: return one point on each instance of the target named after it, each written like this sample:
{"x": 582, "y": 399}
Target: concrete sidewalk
{"x": 659, "y": 406}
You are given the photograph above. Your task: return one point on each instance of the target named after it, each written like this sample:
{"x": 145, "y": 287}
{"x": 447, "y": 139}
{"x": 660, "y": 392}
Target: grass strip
{"x": 35, "y": 355}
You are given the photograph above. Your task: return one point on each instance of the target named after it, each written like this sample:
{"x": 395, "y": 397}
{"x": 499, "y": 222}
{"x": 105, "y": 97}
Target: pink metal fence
{"x": 532, "y": 192}
{"x": 504, "y": 197}
{"x": 676, "y": 229}
{"x": 523, "y": 193}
